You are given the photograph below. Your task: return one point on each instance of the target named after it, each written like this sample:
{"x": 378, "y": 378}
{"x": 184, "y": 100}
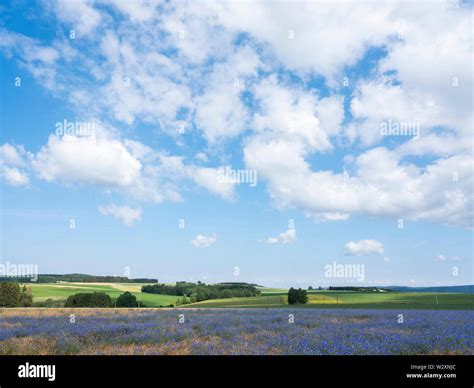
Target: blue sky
{"x": 174, "y": 93}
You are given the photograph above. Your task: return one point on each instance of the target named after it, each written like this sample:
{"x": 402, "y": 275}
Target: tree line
{"x": 197, "y": 292}
{"x": 359, "y": 289}
{"x": 76, "y": 278}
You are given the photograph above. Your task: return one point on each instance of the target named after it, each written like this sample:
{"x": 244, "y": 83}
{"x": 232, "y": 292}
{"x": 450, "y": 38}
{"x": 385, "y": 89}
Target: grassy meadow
{"x": 61, "y": 291}
{"x": 271, "y": 297}
{"x": 348, "y": 299}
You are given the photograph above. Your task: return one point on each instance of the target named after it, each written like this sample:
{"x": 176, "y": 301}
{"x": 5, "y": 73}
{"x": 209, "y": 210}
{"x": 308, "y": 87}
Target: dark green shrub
{"x": 93, "y": 299}
{"x": 10, "y": 294}
{"x": 297, "y": 296}
{"x": 126, "y": 300}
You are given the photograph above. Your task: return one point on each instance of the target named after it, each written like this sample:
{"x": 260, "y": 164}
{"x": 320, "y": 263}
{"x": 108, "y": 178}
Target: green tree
{"x": 182, "y": 301}
{"x": 26, "y": 297}
{"x": 126, "y": 300}
{"x": 302, "y": 296}
{"x": 297, "y": 296}
{"x": 291, "y": 296}
{"x": 9, "y": 294}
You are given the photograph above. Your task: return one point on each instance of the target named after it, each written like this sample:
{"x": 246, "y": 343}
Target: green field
{"x": 256, "y": 301}
{"x": 61, "y": 291}
{"x": 349, "y": 299}
{"x": 271, "y": 297}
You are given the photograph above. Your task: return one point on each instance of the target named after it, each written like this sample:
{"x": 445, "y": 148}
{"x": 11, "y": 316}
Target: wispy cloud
{"x": 125, "y": 214}
{"x": 286, "y": 237}
{"x": 202, "y": 241}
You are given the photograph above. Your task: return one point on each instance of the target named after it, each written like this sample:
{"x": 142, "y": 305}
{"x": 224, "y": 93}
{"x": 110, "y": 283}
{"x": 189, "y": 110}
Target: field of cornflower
{"x": 235, "y": 331}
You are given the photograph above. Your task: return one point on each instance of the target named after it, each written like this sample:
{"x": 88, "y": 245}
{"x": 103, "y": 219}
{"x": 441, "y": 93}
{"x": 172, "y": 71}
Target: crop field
{"x": 270, "y": 297}
{"x": 235, "y": 331}
{"x": 348, "y": 299}
{"x": 61, "y": 291}
{"x": 257, "y": 301}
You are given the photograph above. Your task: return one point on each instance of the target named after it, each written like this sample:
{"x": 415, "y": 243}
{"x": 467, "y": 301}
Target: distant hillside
{"x": 239, "y": 284}
{"x": 77, "y": 278}
{"x": 359, "y": 289}
{"x": 467, "y": 289}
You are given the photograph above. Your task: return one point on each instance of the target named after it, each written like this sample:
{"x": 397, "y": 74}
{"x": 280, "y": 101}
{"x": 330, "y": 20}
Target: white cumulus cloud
{"x": 96, "y": 160}
{"x": 363, "y": 248}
